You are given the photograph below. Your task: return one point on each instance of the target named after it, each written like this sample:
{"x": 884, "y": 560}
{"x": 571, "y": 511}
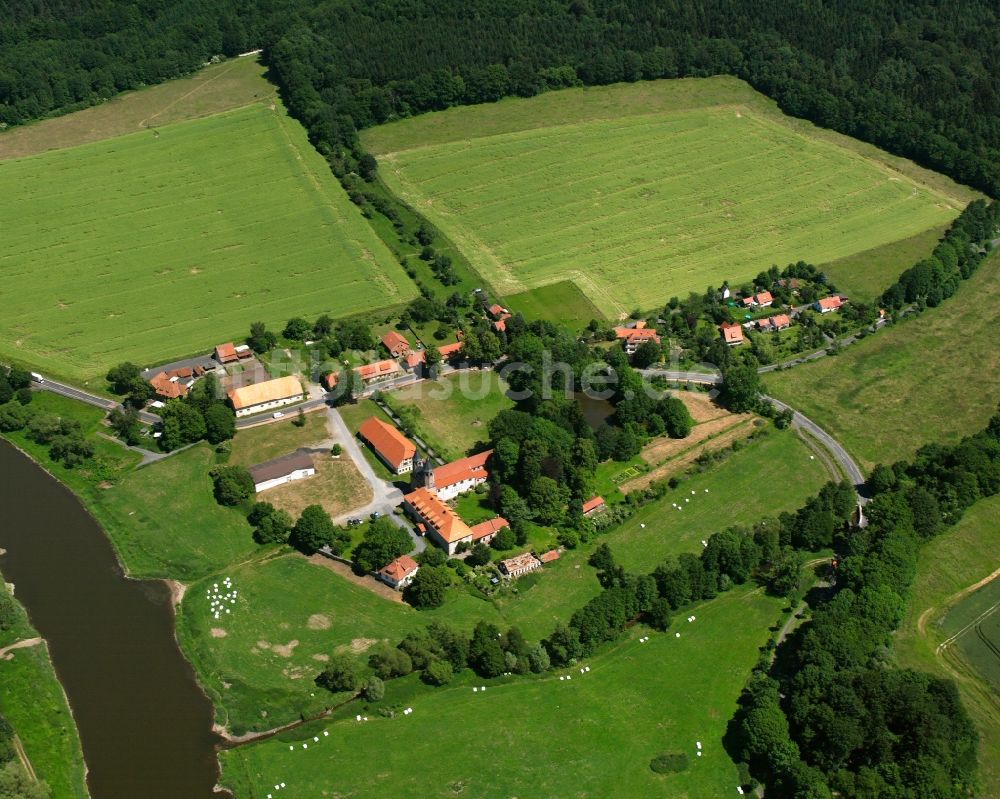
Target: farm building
{"x": 443, "y": 525}
{"x": 634, "y": 337}
{"x": 453, "y": 478}
{"x": 484, "y": 532}
{"x": 279, "y": 471}
{"x": 732, "y": 334}
{"x": 828, "y": 304}
{"x": 777, "y": 322}
{"x": 519, "y": 564}
{"x": 399, "y": 573}
{"x": 593, "y": 505}
{"x": 266, "y": 396}
{"x": 377, "y": 371}
{"x": 392, "y": 447}
{"x": 230, "y": 353}
{"x": 169, "y": 386}
{"x": 396, "y": 344}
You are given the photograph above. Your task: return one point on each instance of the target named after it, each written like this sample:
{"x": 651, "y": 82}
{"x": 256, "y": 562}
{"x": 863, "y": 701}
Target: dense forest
{"x": 921, "y": 79}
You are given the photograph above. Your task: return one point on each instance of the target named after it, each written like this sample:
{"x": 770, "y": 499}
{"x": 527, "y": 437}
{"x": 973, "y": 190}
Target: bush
{"x": 232, "y": 484}
{"x": 670, "y": 763}
{"x": 340, "y": 675}
{"x": 438, "y": 672}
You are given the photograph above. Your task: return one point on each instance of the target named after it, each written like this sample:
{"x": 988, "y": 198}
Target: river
{"x": 145, "y": 725}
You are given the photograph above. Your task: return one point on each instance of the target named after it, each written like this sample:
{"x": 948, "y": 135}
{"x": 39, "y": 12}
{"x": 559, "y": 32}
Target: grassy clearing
{"x": 337, "y": 485}
{"x": 591, "y": 737}
{"x": 887, "y": 395}
{"x": 258, "y": 444}
{"x": 165, "y": 522}
{"x": 172, "y": 240}
{"x": 865, "y": 275}
{"x": 951, "y": 563}
{"x": 562, "y": 303}
{"x": 976, "y": 623}
{"x": 290, "y": 616}
{"x": 668, "y": 194}
{"x": 32, "y": 700}
{"x": 217, "y": 88}
{"x": 454, "y": 412}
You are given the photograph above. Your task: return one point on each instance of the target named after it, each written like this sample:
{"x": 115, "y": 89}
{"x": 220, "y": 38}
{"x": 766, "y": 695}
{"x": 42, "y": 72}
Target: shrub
{"x": 670, "y": 763}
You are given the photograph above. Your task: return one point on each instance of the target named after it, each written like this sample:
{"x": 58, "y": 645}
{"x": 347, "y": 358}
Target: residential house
{"x": 593, "y": 505}
{"x": 378, "y": 371}
{"x": 732, "y": 333}
{"x": 634, "y": 337}
{"x": 330, "y": 380}
{"x": 168, "y": 387}
{"x": 396, "y": 344}
{"x": 763, "y": 299}
{"x": 266, "y": 396}
{"x": 226, "y": 353}
{"x": 450, "y": 351}
{"x": 394, "y": 449}
{"x": 518, "y": 565}
{"x": 497, "y": 311}
{"x": 279, "y": 471}
{"x": 399, "y": 573}
{"x": 828, "y": 304}
{"x": 773, "y": 323}
{"x": 414, "y": 361}
{"x": 484, "y": 532}
{"x": 443, "y": 525}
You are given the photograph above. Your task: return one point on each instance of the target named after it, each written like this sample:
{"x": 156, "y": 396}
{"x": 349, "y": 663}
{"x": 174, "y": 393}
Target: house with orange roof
{"x": 393, "y": 448}
{"x": 484, "y": 532}
{"x": 457, "y": 477}
{"x": 763, "y": 299}
{"x": 414, "y": 360}
{"x": 396, "y": 344}
{"x": 593, "y": 505}
{"x": 773, "y": 323}
{"x": 449, "y": 351}
{"x": 634, "y": 337}
{"x": 226, "y": 353}
{"x": 399, "y": 573}
{"x": 266, "y": 396}
{"x": 444, "y": 527}
{"x": 167, "y": 386}
{"x": 497, "y": 311}
{"x": 828, "y": 304}
{"x": 378, "y": 370}
{"x": 732, "y": 333}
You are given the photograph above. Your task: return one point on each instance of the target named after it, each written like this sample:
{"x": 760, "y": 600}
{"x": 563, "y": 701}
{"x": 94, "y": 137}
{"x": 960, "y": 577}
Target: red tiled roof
{"x": 414, "y": 359}
{"x": 764, "y": 297}
{"x": 395, "y": 343}
{"x": 833, "y": 303}
{"x": 593, "y": 504}
{"x": 450, "y": 349}
{"x": 330, "y": 381}
{"x": 637, "y": 334}
{"x": 495, "y": 310}
{"x": 224, "y": 353}
{"x": 438, "y": 515}
{"x": 548, "y": 557}
{"x": 500, "y": 326}
{"x": 401, "y": 568}
{"x": 167, "y": 388}
{"x": 489, "y": 527}
{"x": 463, "y": 469}
{"x": 184, "y": 371}
{"x": 392, "y": 445}
{"x": 731, "y": 332}
{"x": 370, "y": 371}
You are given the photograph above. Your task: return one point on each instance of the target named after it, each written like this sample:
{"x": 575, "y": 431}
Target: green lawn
{"x": 562, "y": 303}
{"x": 639, "y": 192}
{"x": 590, "y": 737}
{"x": 164, "y": 521}
{"x": 258, "y": 444}
{"x": 865, "y": 275}
{"x": 961, "y": 557}
{"x": 172, "y": 240}
{"x": 33, "y": 702}
{"x": 935, "y": 377}
{"x": 284, "y": 602}
{"x": 454, "y": 412}
{"x": 975, "y": 625}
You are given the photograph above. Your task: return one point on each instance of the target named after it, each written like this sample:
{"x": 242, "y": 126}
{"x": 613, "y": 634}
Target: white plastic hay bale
{"x": 706, "y": 490}
{"x": 316, "y": 739}
{"x": 642, "y": 525}
{"x": 699, "y": 754}
{"x": 588, "y": 668}
{"x": 698, "y": 744}
{"x": 305, "y": 746}
{"x": 678, "y": 635}
{"x": 474, "y": 689}
{"x": 561, "y": 678}
{"x": 358, "y": 718}
{"x": 692, "y": 492}
{"x": 326, "y": 734}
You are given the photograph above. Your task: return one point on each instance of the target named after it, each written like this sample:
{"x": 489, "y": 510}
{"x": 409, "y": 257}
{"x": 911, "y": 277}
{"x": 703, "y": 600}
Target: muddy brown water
{"x": 145, "y": 726}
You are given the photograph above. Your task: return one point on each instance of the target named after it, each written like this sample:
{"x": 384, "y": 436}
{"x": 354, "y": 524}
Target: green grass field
{"x": 949, "y": 564}
{"x": 639, "y": 192}
{"x": 974, "y": 627}
{"x": 455, "y": 411}
{"x": 164, "y": 521}
{"x": 33, "y": 702}
{"x": 591, "y": 737}
{"x": 172, "y": 240}
{"x": 258, "y": 444}
{"x": 562, "y": 303}
{"x": 935, "y": 377}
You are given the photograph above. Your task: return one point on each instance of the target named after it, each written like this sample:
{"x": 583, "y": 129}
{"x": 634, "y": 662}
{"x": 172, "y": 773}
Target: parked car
{"x": 277, "y": 415}
{"x": 375, "y": 514}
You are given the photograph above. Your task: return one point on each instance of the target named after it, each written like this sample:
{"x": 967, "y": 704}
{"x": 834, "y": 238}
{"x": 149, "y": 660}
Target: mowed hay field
{"x": 162, "y": 243}
{"x": 593, "y": 736}
{"x": 642, "y": 191}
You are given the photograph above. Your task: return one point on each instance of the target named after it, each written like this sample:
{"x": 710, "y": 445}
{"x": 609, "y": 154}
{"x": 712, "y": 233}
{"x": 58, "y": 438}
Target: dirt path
{"x": 952, "y": 600}
{"x": 25, "y": 644}
{"x": 23, "y": 757}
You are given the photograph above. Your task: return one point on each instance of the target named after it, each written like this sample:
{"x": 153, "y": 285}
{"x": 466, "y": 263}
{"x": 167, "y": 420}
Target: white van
{"x": 277, "y": 415}
{"x": 37, "y": 377}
